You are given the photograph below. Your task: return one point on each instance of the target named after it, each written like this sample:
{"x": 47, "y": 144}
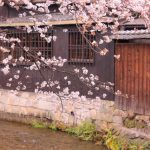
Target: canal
{"x": 16, "y": 136}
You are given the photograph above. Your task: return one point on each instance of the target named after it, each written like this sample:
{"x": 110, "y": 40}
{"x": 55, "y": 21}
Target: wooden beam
{"x": 18, "y": 24}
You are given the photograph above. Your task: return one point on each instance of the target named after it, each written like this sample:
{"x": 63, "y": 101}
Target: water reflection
{"x": 15, "y": 136}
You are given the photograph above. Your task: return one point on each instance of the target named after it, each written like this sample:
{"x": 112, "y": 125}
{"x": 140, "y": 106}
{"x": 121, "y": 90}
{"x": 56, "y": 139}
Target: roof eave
{"x": 18, "y": 24}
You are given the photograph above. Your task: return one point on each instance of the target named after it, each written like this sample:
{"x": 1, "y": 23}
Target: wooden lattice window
{"x": 33, "y": 41}
{"x": 80, "y": 50}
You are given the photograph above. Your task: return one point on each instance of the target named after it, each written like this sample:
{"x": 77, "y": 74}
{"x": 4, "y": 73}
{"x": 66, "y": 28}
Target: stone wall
{"x": 68, "y": 111}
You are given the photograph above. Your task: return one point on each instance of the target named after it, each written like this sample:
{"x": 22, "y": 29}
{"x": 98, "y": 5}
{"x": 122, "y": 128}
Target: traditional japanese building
{"x": 130, "y": 73}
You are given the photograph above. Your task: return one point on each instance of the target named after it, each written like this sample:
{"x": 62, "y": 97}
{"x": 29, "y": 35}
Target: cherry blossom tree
{"x": 91, "y": 16}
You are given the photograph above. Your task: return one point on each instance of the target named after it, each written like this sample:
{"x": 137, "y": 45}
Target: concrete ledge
{"x": 26, "y": 119}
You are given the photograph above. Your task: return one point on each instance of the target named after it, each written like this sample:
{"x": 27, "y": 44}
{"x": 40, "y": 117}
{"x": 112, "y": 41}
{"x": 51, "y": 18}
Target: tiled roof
{"x": 139, "y": 21}
{"x": 131, "y": 34}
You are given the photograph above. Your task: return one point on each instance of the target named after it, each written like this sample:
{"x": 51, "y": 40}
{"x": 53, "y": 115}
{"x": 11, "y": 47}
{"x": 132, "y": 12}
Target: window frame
{"x": 29, "y": 41}
{"x": 79, "y": 48}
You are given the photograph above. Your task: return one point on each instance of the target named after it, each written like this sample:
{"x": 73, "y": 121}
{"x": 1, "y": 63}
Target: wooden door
{"x": 132, "y": 77}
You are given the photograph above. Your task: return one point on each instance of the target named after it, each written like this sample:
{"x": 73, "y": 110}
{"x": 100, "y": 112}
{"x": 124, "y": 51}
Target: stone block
{"x": 79, "y": 121}
{"x": 25, "y": 95}
{"x": 23, "y": 110}
{"x": 29, "y": 103}
{"x": 57, "y": 116}
{"x": 102, "y": 109}
{"x": 85, "y": 115}
{"x": 15, "y": 109}
{"x": 69, "y": 107}
{"x": 105, "y": 117}
{"x": 2, "y": 108}
{"x": 93, "y": 114}
{"x": 78, "y": 105}
{"x": 71, "y": 120}
{"x": 131, "y": 115}
{"x": 121, "y": 113}
{"x": 98, "y": 124}
{"x": 8, "y": 108}
{"x": 22, "y": 102}
{"x": 148, "y": 124}
{"x": 118, "y": 120}
{"x": 90, "y": 106}
{"x": 104, "y": 126}
{"x": 108, "y": 103}
{"x": 142, "y": 117}
{"x": 44, "y": 105}
{"x": 65, "y": 118}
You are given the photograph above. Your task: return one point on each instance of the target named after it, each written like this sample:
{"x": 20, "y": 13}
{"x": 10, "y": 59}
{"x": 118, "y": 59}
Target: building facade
{"x": 130, "y": 73}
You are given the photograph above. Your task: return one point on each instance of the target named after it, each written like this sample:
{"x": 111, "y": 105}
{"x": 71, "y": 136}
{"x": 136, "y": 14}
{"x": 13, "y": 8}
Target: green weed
{"x": 53, "y": 126}
{"x": 85, "y": 131}
{"x": 38, "y": 124}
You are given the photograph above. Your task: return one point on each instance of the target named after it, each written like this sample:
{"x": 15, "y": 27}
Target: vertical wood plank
{"x": 132, "y": 77}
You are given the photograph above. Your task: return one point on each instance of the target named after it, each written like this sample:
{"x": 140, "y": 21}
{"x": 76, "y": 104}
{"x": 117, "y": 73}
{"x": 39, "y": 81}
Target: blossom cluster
{"x": 95, "y": 15}
{"x": 102, "y": 11}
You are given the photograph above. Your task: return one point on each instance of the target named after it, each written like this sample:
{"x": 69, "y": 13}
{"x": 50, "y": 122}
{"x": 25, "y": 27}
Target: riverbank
{"x": 18, "y": 136}
{"x": 112, "y": 138}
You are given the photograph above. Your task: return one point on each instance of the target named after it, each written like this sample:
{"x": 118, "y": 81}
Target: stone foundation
{"x": 68, "y": 111}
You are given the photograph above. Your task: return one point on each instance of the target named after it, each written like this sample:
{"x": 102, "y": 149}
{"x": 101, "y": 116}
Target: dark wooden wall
{"x": 8, "y": 12}
{"x": 103, "y": 66}
{"x": 132, "y": 77}
{"x": 3, "y": 13}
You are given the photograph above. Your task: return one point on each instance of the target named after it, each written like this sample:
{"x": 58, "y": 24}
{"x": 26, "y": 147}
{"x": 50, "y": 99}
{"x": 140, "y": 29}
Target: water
{"x": 15, "y": 136}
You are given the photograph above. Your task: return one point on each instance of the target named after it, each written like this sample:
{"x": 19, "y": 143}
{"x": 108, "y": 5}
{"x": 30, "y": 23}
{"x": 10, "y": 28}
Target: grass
{"x": 53, "y": 126}
{"x": 38, "y": 124}
{"x": 116, "y": 142}
{"x": 133, "y": 123}
{"x": 87, "y": 131}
